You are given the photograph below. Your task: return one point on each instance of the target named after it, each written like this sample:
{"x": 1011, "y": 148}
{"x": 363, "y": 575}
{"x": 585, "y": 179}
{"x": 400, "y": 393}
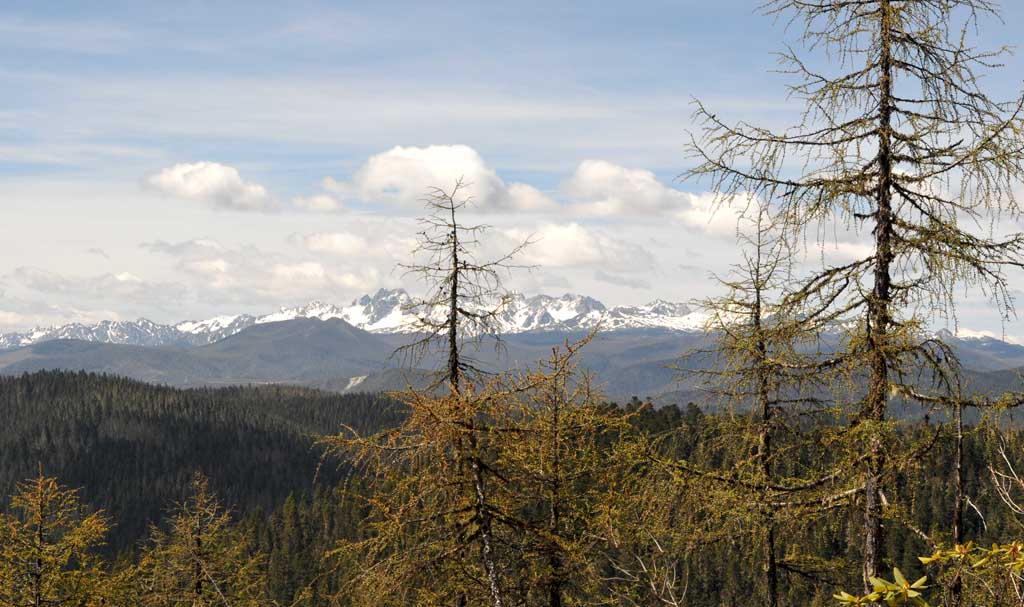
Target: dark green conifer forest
{"x": 132, "y": 450}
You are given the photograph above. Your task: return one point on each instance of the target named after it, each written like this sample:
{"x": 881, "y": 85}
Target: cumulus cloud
{"x": 188, "y": 248}
{"x": 379, "y": 241}
{"x": 574, "y": 245}
{"x": 403, "y": 175}
{"x": 598, "y": 187}
{"x": 314, "y": 274}
{"x": 308, "y": 271}
{"x": 209, "y": 266}
{"x": 29, "y": 315}
{"x": 220, "y": 274}
{"x": 212, "y": 183}
{"x": 718, "y": 218}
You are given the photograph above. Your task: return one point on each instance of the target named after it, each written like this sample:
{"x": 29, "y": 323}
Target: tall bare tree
{"x": 465, "y": 296}
{"x": 440, "y": 461}
{"x": 898, "y": 141}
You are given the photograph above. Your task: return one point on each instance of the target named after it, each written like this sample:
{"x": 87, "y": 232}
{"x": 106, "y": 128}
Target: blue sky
{"x": 274, "y": 112}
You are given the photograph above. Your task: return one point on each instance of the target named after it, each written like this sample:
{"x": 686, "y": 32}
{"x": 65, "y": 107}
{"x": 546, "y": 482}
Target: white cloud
{"x": 308, "y": 271}
{"x": 621, "y": 281}
{"x": 404, "y": 175}
{"x": 598, "y": 187}
{"x": 250, "y": 275}
{"x": 198, "y": 247}
{"x": 308, "y": 274}
{"x": 718, "y": 218}
{"x": 212, "y": 183}
{"x": 110, "y": 286}
{"x": 48, "y": 315}
{"x": 208, "y": 266}
{"x": 339, "y": 243}
{"x": 573, "y": 245}
{"x": 320, "y": 203}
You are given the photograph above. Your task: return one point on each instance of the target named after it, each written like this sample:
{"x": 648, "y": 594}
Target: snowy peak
{"x": 386, "y": 311}
{"x": 141, "y": 332}
{"x": 544, "y": 312}
{"x": 656, "y": 314}
{"x": 314, "y": 309}
{"x": 215, "y": 325}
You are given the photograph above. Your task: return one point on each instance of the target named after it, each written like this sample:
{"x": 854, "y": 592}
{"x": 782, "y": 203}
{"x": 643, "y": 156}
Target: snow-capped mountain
{"x": 213, "y": 329}
{"x": 141, "y": 332}
{"x": 386, "y": 311}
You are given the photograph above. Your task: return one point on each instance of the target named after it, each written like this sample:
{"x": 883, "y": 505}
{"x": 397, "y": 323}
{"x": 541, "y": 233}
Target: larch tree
{"x": 558, "y": 445}
{"x": 899, "y": 144}
{"x": 769, "y": 375}
{"x": 766, "y": 463}
{"x": 48, "y": 548}
{"x": 201, "y": 559}
{"x": 435, "y": 512}
{"x": 465, "y": 295}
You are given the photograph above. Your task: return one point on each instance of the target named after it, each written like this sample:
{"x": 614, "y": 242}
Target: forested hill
{"x": 132, "y": 447}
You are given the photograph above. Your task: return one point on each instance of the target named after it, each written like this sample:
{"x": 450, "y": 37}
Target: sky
{"x": 183, "y": 160}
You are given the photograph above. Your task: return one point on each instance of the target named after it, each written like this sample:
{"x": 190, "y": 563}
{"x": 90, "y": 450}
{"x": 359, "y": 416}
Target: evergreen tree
{"x": 557, "y": 446}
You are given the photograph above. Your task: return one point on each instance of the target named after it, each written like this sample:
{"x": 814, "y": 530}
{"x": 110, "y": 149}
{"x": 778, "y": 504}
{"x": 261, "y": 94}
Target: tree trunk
{"x": 956, "y": 586}
{"x": 197, "y": 573}
{"x": 37, "y": 573}
{"x": 764, "y": 449}
{"x": 487, "y": 555}
{"x": 555, "y": 582}
{"x": 880, "y": 306}
{"x": 487, "y": 544}
{"x": 454, "y": 364}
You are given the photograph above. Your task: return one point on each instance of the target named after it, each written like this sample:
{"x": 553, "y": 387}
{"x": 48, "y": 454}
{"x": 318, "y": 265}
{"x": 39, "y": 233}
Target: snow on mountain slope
{"x": 386, "y": 311}
{"x": 141, "y": 332}
{"x": 389, "y": 311}
{"x": 657, "y": 314}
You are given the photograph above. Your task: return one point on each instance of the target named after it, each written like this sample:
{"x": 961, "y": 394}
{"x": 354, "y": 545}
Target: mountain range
{"x": 351, "y": 348}
{"x": 387, "y": 312}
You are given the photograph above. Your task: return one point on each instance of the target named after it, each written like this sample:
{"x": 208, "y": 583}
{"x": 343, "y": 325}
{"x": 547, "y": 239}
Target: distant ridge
{"x": 386, "y": 311}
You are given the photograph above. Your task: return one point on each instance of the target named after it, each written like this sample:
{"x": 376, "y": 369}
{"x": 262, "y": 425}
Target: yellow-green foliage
{"x": 201, "y": 559}
{"x": 48, "y": 548}
{"x": 987, "y": 576}
{"x": 521, "y": 459}
{"x": 900, "y": 591}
